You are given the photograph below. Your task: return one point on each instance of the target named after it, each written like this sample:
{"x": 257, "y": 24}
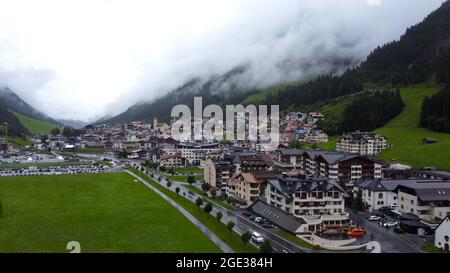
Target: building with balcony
{"x": 217, "y": 173}
{"x": 430, "y": 200}
{"x": 362, "y": 143}
{"x": 317, "y": 201}
{"x": 248, "y": 187}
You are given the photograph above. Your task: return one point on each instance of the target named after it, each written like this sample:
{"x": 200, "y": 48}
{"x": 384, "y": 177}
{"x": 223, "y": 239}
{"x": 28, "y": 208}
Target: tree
{"x": 266, "y": 247}
{"x": 199, "y": 202}
{"x": 159, "y": 179}
{"x": 55, "y": 131}
{"x": 171, "y": 172}
{"x": 219, "y": 215}
{"x": 358, "y": 203}
{"x": 213, "y": 192}
{"x": 208, "y": 207}
{"x": 205, "y": 187}
{"x": 177, "y": 190}
{"x": 169, "y": 184}
{"x": 191, "y": 180}
{"x": 230, "y": 226}
{"x": 162, "y": 168}
{"x": 245, "y": 237}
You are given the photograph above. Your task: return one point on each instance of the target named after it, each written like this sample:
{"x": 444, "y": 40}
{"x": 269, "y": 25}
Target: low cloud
{"x": 86, "y": 59}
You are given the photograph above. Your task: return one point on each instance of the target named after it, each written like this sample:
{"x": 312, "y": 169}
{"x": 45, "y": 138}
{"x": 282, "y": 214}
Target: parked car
{"x": 258, "y": 220}
{"x": 390, "y": 224}
{"x": 252, "y": 218}
{"x": 257, "y": 238}
{"x": 393, "y": 205}
{"x": 246, "y": 214}
{"x": 374, "y": 218}
{"x": 356, "y": 232}
{"x": 268, "y": 225}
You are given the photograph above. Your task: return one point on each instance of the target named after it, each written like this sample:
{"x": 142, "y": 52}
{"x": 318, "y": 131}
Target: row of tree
{"x": 436, "y": 112}
{"x": 373, "y": 111}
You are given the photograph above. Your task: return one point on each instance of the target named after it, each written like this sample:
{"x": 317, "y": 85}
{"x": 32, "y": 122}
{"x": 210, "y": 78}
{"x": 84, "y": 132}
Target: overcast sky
{"x": 83, "y": 59}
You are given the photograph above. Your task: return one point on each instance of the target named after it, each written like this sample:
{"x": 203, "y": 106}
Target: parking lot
{"x": 58, "y": 170}
{"x": 391, "y": 242}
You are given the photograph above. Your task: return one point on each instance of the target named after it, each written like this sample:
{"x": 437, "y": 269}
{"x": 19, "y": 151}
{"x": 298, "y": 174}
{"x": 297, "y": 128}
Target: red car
{"x": 356, "y": 232}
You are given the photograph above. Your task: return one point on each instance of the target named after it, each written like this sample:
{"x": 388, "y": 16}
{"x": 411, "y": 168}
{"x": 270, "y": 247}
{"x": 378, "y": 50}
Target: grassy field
{"x": 188, "y": 170}
{"x": 41, "y": 165}
{"x": 183, "y": 178}
{"x": 404, "y": 134}
{"x": 105, "y": 213}
{"x": 35, "y": 126}
{"x": 232, "y": 239}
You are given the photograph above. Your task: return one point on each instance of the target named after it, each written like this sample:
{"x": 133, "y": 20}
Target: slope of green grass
{"x": 35, "y": 126}
{"x": 104, "y": 213}
{"x": 404, "y": 134}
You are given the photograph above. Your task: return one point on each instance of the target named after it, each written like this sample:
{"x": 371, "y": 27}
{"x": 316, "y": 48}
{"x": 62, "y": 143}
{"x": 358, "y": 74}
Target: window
{"x": 380, "y": 196}
{"x": 412, "y": 201}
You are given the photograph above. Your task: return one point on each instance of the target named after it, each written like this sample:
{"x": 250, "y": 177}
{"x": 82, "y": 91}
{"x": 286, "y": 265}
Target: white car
{"x": 393, "y": 205}
{"x": 390, "y": 224}
{"x": 374, "y": 218}
{"x": 257, "y": 238}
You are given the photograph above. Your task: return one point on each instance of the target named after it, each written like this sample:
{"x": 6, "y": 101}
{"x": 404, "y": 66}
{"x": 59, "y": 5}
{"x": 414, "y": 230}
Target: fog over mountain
{"x": 81, "y": 60}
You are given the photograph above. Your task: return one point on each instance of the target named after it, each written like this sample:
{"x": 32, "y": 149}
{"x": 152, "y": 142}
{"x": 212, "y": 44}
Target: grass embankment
{"x": 218, "y": 202}
{"x": 103, "y": 212}
{"x": 403, "y": 132}
{"x": 35, "y": 126}
{"x": 405, "y": 135}
{"x": 294, "y": 239}
{"x": 232, "y": 239}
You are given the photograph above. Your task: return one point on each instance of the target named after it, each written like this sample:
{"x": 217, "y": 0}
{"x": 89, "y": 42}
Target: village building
{"x": 362, "y": 143}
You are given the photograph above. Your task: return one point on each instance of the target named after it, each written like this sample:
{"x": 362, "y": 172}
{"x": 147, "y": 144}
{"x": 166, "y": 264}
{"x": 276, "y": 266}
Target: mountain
{"x": 410, "y": 60}
{"x": 14, "y": 103}
{"x": 223, "y": 89}
{"x": 77, "y": 124}
{"x": 15, "y": 127}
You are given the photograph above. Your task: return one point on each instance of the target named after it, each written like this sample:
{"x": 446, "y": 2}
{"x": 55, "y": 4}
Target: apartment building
{"x": 252, "y": 162}
{"x": 362, "y": 143}
{"x": 172, "y": 161}
{"x": 195, "y": 154}
{"x": 428, "y": 200}
{"x": 249, "y": 187}
{"x": 316, "y": 200}
{"x": 217, "y": 173}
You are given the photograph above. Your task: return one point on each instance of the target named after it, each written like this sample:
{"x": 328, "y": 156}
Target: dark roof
{"x": 431, "y": 190}
{"x": 288, "y": 152}
{"x": 287, "y": 186}
{"x": 414, "y": 223}
{"x": 277, "y": 216}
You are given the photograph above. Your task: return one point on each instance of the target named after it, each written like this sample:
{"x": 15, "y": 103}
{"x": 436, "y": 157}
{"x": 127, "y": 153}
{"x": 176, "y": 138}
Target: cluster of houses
{"x": 301, "y": 127}
{"x": 303, "y": 190}
{"x": 307, "y": 189}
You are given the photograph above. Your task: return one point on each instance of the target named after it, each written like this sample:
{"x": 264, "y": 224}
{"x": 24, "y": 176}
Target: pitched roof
{"x": 277, "y": 216}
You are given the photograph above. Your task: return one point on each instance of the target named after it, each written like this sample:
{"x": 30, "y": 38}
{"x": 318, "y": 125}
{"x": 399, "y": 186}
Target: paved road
{"x": 390, "y": 241}
{"x": 242, "y": 224}
{"x": 194, "y": 220}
